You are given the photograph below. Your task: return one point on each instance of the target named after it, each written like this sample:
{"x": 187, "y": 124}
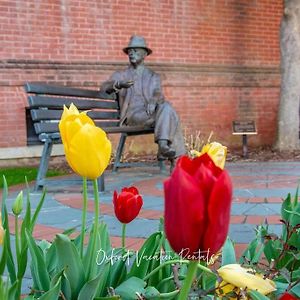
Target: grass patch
{"x": 17, "y": 175}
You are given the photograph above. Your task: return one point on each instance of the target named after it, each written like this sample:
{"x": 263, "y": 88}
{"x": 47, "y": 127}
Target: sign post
{"x": 244, "y": 128}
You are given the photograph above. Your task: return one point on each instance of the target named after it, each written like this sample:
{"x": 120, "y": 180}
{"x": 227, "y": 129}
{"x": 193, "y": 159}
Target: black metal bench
{"x": 45, "y": 109}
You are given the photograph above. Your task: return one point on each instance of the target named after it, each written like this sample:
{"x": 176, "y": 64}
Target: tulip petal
{"x": 244, "y": 278}
{"x": 218, "y": 214}
{"x": 131, "y": 189}
{"x": 184, "y": 212}
{"x": 127, "y": 206}
{"x": 89, "y": 151}
{"x": 287, "y": 296}
{"x": 217, "y": 152}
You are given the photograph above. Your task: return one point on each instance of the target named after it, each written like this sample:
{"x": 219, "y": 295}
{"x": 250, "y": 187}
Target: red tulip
{"x": 287, "y": 296}
{"x": 127, "y": 204}
{"x": 197, "y": 207}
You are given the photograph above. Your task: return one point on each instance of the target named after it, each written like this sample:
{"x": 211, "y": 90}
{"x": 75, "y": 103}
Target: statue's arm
{"x": 158, "y": 95}
{"x": 115, "y": 84}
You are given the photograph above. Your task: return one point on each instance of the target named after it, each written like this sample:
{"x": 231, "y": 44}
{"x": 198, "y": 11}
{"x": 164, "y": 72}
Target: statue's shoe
{"x": 166, "y": 152}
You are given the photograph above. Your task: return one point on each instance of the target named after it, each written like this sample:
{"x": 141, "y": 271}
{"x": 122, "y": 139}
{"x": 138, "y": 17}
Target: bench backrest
{"x": 46, "y": 106}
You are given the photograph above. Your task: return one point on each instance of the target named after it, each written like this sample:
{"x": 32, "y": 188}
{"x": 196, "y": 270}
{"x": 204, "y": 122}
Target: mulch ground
{"x": 263, "y": 154}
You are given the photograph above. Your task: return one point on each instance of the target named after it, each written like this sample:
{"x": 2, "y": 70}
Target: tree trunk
{"x": 288, "y": 117}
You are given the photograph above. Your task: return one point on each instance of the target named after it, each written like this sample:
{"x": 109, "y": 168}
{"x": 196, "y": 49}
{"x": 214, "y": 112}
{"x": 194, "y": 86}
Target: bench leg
{"x": 119, "y": 152}
{"x": 162, "y": 166}
{"x": 44, "y": 163}
{"x": 101, "y": 183}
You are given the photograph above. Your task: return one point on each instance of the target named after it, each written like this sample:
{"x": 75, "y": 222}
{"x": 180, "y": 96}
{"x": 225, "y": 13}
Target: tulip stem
{"x": 123, "y": 236}
{"x": 177, "y": 261}
{"x": 169, "y": 295}
{"x": 191, "y": 272}
{"x": 17, "y": 237}
{"x": 84, "y": 209}
{"x": 96, "y": 206}
{"x": 168, "y": 262}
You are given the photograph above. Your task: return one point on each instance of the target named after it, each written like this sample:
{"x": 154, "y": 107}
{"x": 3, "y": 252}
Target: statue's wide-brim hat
{"x": 137, "y": 42}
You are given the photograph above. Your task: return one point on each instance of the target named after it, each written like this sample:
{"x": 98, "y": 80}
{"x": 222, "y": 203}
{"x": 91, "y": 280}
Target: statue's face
{"x": 136, "y": 55}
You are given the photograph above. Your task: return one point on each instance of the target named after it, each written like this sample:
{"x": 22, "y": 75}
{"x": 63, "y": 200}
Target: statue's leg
{"x": 167, "y": 127}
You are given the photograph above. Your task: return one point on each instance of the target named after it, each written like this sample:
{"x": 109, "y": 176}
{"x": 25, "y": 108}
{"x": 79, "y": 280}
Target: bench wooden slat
{"x": 50, "y": 127}
{"x": 51, "y": 114}
{"x": 130, "y": 130}
{"x": 40, "y": 88}
{"x": 109, "y": 127}
{"x": 57, "y": 102}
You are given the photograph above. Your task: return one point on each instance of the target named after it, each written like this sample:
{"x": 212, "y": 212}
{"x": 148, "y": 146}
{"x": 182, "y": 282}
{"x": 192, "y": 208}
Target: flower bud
{"x": 18, "y": 204}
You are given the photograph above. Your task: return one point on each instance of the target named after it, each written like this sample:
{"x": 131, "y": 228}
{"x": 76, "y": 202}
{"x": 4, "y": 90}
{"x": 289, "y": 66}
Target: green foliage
{"x": 228, "y": 253}
{"x": 60, "y": 271}
{"x": 4, "y": 288}
{"x": 282, "y": 253}
{"x": 16, "y": 267}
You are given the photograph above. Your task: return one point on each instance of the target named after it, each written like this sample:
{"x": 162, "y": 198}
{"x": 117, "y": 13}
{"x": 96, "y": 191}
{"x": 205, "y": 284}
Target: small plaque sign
{"x": 243, "y": 127}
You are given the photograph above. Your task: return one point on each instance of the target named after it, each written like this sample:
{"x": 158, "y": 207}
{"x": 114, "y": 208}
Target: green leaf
{"x": 89, "y": 290}
{"x": 249, "y": 253}
{"x": 102, "y": 287}
{"x": 286, "y": 206}
{"x": 51, "y": 259}
{"x": 296, "y": 197}
{"x": 37, "y": 210}
{"x": 108, "y": 298}
{"x": 128, "y": 289}
{"x": 13, "y": 290}
{"x": 142, "y": 262}
{"x": 208, "y": 281}
{"x": 53, "y": 293}
{"x": 22, "y": 262}
{"x": 90, "y": 255}
{"x": 280, "y": 287}
{"x": 65, "y": 284}
{"x": 68, "y": 258}
{"x": 69, "y": 231}
{"x": 258, "y": 254}
{"x": 228, "y": 253}
{"x": 3, "y": 260}
{"x": 270, "y": 250}
{"x": 104, "y": 237}
{"x": 151, "y": 293}
{"x": 255, "y": 295}
{"x": 38, "y": 264}
{"x": 117, "y": 273}
{"x": 24, "y": 244}
{"x": 296, "y": 290}
{"x": 6, "y": 243}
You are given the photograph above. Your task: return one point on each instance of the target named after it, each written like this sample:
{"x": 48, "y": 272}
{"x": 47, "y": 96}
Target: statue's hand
{"x": 124, "y": 84}
{"x": 151, "y": 108}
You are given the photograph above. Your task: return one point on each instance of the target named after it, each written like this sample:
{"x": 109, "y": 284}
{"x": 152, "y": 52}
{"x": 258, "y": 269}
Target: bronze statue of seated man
{"x": 142, "y": 101}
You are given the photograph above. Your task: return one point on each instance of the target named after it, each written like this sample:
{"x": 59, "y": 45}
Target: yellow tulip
{"x": 2, "y": 231}
{"x": 217, "y": 153}
{"x": 243, "y": 278}
{"x": 86, "y": 146}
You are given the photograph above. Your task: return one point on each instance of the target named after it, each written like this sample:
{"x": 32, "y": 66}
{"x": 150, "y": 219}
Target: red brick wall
{"x": 219, "y": 60}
